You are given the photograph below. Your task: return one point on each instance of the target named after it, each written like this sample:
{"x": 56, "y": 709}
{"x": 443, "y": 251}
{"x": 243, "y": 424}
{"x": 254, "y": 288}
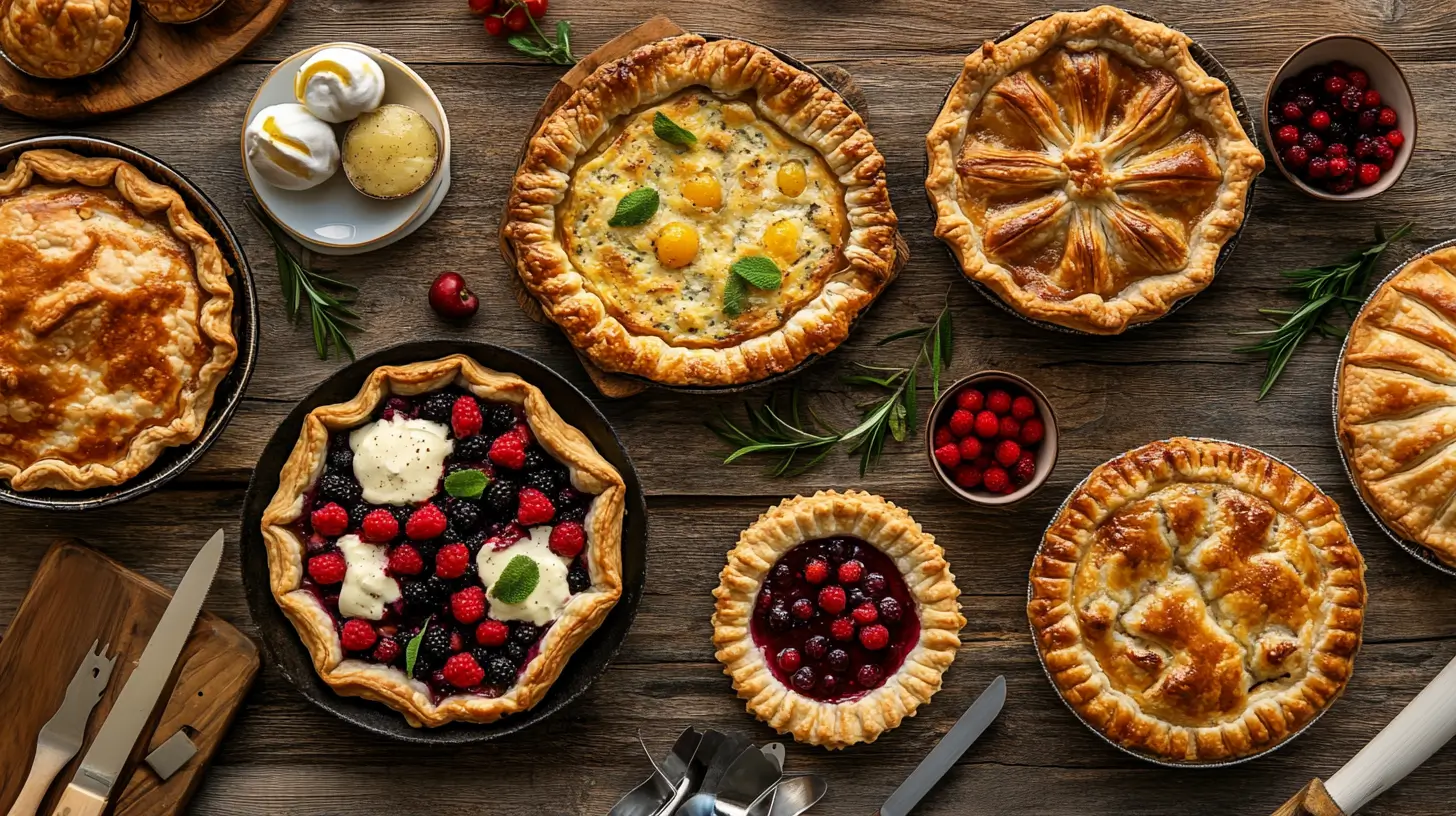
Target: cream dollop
{"x": 338, "y": 84}
{"x": 398, "y": 460}
{"x": 367, "y": 585}
{"x": 548, "y": 600}
{"x": 291, "y": 148}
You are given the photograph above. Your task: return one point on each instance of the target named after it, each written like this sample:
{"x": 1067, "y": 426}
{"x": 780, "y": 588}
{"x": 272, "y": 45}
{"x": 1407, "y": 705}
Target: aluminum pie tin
{"x": 1213, "y": 68}
{"x": 1417, "y": 551}
{"x": 128, "y": 39}
{"x": 1041, "y": 659}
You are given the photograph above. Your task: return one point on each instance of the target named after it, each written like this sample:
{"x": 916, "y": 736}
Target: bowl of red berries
{"x": 1341, "y": 119}
{"x": 992, "y": 438}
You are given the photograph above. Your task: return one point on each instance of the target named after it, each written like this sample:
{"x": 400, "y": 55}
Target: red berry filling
{"x": 1327, "y": 114}
{"x": 996, "y": 452}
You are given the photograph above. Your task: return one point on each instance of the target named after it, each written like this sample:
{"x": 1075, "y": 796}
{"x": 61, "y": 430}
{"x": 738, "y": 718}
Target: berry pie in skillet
{"x": 836, "y": 617}
{"x": 444, "y": 542}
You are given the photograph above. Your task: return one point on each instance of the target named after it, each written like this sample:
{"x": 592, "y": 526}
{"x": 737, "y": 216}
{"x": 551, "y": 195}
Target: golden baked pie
{"x": 115, "y": 321}
{"x": 702, "y": 213}
{"x": 1197, "y": 601}
{"x": 61, "y": 39}
{"x": 449, "y": 507}
{"x": 179, "y": 11}
{"x": 836, "y": 617}
{"x": 1396, "y": 417}
{"x": 1088, "y": 171}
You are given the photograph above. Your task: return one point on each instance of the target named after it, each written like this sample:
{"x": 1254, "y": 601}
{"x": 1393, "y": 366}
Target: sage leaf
{"x": 635, "y": 208}
{"x": 671, "y": 132}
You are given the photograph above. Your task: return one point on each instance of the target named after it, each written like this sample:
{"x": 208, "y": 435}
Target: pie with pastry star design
{"x": 444, "y": 542}
{"x": 1198, "y": 601}
{"x": 836, "y": 617}
{"x": 1088, "y": 171}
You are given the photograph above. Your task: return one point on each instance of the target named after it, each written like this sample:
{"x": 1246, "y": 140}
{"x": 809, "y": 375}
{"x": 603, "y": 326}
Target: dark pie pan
{"x": 1214, "y": 68}
{"x": 173, "y": 461}
{"x": 1416, "y": 549}
{"x": 280, "y": 640}
{"x": 1145, "y": 756}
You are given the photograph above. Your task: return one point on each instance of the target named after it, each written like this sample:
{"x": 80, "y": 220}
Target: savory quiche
{"x": 702, "y": 213}
{"x": 115, "y": 321}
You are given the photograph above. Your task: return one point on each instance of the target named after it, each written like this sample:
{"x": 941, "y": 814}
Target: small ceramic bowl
{"x": 334, "y": 218}
{"x": 1046, "y": 451}
{"x": 1385, "y": 77}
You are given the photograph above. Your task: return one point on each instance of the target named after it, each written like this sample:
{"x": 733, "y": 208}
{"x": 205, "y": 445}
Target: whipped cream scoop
{"x": 291, "y": 148}
{"x": 338, "y": 84}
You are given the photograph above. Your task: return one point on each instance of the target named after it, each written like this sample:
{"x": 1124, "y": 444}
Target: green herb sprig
{"x": 754, "y": 270}
{"x": 328, "y": 299}
{"x": 784, "y": 430}
{"x": 635, "y": 208}
{"x": 412, "y": 649}
{"x": 1323, "y": 287}
{"x": 554, "y": 49}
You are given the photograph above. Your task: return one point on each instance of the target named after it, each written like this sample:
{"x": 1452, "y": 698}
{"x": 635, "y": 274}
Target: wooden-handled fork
{"x": 1418, "y": 731}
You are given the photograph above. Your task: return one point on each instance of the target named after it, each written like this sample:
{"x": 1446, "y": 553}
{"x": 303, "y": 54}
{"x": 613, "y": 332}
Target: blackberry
{"x": 516, "y": 652}
{"x": 535, "y": 460}
{"x": 577, "y": 578}
{"x": 417, "y": 596}
{"x": 500, "y": 671}
{"x": 475, "y": 541}
{"x": 473, "y": 448}
{"x": 524, "y": 632}
{"x": 499, "y": 498}
{"x": 427, "y": 550}
{"x": 482, "y": 655}
{"x": 341, "y": 459}
{"x": 462, "y": 513}
{"x": 340, "y": 488}
{"x": 548, "y": 480}
{"x": 402, "y": 513}
{"x": 498, "y": 417}
{"x": 357, "y": 514}
{"x": 575, "y": 513}
{"x": 436, "y": 407}
{"x": 434, "y": 647}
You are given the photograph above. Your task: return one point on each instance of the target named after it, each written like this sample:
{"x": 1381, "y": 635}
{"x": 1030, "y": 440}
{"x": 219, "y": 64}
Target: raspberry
{"x": 534, "y": 507}
{"x": 1023, "y": 407}
{"x": 509, "y": 451}
{"x": 387, "y": 651}
{"x": 1319, "y": 120}
{"x": 379, "y": 526}
{"x": 406, "y": 560}
{"x": 789, "y": 659}
{"x": 832, "y": 599}
{"x": 462, "y": 671}
{"x": 970, "y": 448}
{"x": 874, "y": 637}
{"x": 465, "y": 417}
{"x": 850, "y": 572}
{"x": 1008, "y": 452}
{"x": 816, "y": 571}
{"x": 943, "y": 436}
{"x": 1024, "y": 469}
{"x": 866, "y": 612}
{"x": 967, "y": 476}
{"x": 330, "y": 520}
{"x": 998, "y": 401}
{"x": 1008, "y": 428}
{"x": 567, "y": 539}
{"x": 996, "y": 480}
{"x": 1395, "y": 139}
{"x": 492, "y": 633}
{"x": 948, "y": 455}
{"x": 987, "y": 425}
{"x": 1032, "y": 431}
{"x": 327, "y": 569}
{"x": 1369, "y": 173}
{"x": 358, "y": 635}
{"x": 842, "y": 629}
{"x": 468, "y": 605}
{"x": 970, "y": 399}
{"x": 1371, "y": 98}
{"x": 1387, "y": 117}
{"x": 452, "y": 560}
{"x": 961, "y": 422}
{"x": 425, "y": 523}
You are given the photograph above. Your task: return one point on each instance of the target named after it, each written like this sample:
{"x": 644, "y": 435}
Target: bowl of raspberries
{"x": 992, "y": 438}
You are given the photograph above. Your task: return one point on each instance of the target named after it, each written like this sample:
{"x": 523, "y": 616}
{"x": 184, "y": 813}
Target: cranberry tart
{"x": 444, "y": 542}
{"x": 836, "y": 617}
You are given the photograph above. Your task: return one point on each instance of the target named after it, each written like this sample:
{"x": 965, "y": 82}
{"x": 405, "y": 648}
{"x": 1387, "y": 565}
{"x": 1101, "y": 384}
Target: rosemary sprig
{"x": 551, "y": 49}
{"x": 781, "y": 428}
{"x": 328, "y": 299}
{"x": 1323, "y": 287}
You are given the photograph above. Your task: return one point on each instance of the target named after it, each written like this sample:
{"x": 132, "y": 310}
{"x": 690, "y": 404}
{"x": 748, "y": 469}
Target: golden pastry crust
{"x": 927, "y": 575}
{"x": 179, "y": 11}
{"x": 1394, "y": 407}
{"x": 795, "y": 103}
{"x": 1088, "y": 171}
{"x": 1198, "y": 601}
{"x": 62, "y": 39}
{"x": 110, "y": 288}
{"x": 589, "y": 472}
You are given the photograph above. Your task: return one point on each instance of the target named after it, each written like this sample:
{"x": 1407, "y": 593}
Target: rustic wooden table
{"x": 1180, "y": 376}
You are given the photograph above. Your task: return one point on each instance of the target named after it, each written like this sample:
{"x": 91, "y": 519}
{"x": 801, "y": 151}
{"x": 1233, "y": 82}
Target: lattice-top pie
{"x": 1088, "y": 171}
{"x": 115, "y": 321}
{"x": 61, "y": 39}
{"x": 1198, "y": 601}
{"x": 1397, "y": 402}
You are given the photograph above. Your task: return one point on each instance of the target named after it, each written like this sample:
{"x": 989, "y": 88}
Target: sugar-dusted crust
{"x": 589, "y": 472}
{"x": 62, "y": 168}
{"x": 797, "y": 103}
{"x": 1139, "y": 43}
{"x": 1198, "y": 601}
{"x": 928, "y": 576}
{"x": 1397, "y": 389}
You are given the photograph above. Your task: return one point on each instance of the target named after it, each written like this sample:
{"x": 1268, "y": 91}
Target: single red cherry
{"x": 1371, "y": 99}
{"x": 1319, "y": 167}
{"x": 482, "y": 6}
{"x": 1291, "y": 110}
{"x": 1339, "y": 166}
{"x": 495, "y": 25}
{"x": 1336, "y": 85}
{"x": 1319, "y": 120}
{"x": 517, "y": 19}
{"x": 536, "y": 8}
{"x": 1358, "y": 78}
{"x": 450, "y": 297}
{"x": 1368, "y": 174}
{"x": 1395, "y": 139}
{"x": 1387, "y": 117}
{"x": 1296, "y": 156}
{"x": 1287, "y": 135}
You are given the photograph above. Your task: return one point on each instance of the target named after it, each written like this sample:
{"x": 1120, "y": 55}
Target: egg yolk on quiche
{"x": 743, "y": 188}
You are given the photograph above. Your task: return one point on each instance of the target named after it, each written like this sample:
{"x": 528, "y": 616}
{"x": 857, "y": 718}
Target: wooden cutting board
{"x": 77, "y": 597}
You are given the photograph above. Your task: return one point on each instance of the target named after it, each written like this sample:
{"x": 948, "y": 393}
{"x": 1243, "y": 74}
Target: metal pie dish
{"x": 128, "y": 39}
{"x": 1417, "y": 550}
{"x": 280, "y": 640}
{"x": 1215, "y": 69}
{"x": 1142, "y": 755}
{"x": 173, "y": 461}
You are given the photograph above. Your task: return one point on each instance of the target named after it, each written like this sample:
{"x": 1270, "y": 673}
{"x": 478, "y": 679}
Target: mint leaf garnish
{"x": 635, "y": 208}
{"x": 670, "y": 131}
{"x": 517, "y": 581}
{"x": 758, "y": 271}
{"x": 412, "y": 651}
{"x": 466, "y": 484}
{"x": 733, "y": 293}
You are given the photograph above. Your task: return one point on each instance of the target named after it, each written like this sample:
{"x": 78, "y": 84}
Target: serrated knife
{"x": 90, "y": 789}
{"x": 967, "y": 729}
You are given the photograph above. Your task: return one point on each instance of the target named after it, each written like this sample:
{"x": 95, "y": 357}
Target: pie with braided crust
{"x": 1197, "y": 601}
{"x": 1088, "y": 171}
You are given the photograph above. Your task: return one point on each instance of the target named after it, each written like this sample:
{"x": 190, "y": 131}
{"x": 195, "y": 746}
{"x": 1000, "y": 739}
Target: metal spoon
{"x": 796, "y": 794}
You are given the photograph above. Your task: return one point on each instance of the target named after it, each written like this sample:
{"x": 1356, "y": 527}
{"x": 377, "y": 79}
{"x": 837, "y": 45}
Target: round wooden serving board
{"x": 165, "y": 58}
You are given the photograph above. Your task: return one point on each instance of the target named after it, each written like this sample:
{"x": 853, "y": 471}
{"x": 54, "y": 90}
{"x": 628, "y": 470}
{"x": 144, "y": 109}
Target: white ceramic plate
{"x": 334, "y": 218}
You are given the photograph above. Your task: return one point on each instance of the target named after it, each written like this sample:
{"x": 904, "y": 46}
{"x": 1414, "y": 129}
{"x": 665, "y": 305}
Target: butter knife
{"x": 61, "y": 737}
{"x": 967, "y": 729}
{"x": 90, "y": 789}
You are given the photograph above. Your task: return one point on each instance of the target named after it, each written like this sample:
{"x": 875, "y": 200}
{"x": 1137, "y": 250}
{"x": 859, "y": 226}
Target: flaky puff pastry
{"x": 589, "y": 472}
{"x": 927, "y": 575}
{"x": 62, "y": 39}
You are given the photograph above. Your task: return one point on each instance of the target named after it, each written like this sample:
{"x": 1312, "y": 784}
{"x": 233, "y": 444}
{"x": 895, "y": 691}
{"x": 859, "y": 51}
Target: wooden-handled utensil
{"x": 1418, "y": 731}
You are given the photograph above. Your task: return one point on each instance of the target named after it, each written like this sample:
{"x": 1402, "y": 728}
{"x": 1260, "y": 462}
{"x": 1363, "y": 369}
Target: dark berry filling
{"x": 835, "y": 619}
